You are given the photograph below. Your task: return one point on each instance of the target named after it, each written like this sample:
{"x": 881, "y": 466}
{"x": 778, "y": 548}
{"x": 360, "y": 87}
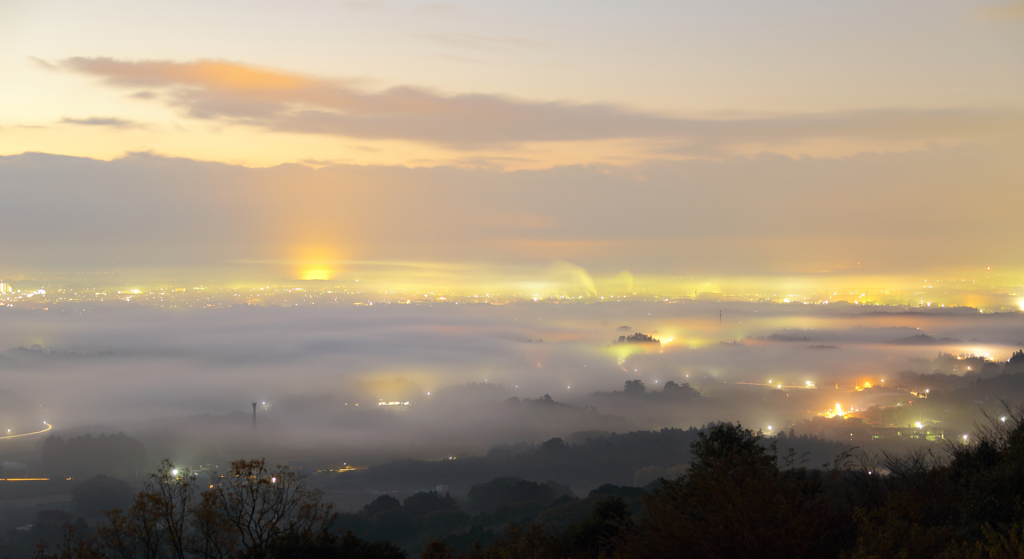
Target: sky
{"x": 722, "y": 139}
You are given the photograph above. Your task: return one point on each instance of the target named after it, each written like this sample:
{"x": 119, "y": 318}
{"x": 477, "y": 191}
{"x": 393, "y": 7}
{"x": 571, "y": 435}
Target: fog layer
{"x": 425, "y": 380}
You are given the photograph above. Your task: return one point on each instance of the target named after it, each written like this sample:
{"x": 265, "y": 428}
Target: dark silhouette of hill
{"x": 596, "y": 460}
{"x": 923, "y": 339}
{"x": 638, "y": 338}
{"x": 671, "y": 392}
{"x": 87, "y": 456}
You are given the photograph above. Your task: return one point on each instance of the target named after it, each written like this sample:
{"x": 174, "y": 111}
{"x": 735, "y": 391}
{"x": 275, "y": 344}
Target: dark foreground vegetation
{"x": 738, "y": 498}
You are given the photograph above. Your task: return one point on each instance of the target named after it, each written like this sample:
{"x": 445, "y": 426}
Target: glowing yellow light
{"x": 314, "y": 262}
{"x": 837, "y": 412}
{"x": 918, "y": 424}
{"x": 319, "y": 274}
{"x": 623, "y": 351}
{"x": 867, "y": 385}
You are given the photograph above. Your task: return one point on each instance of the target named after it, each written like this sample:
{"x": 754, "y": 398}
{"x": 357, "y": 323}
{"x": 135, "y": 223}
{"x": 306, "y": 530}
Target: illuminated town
{"x": 999, "y": 294}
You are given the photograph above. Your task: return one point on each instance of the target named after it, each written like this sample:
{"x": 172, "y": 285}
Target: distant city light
{"x": 314, "y": 275}
{"x": 835, "y": 412}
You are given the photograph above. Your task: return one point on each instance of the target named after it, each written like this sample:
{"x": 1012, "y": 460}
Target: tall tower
{"x": 254, "y": 414}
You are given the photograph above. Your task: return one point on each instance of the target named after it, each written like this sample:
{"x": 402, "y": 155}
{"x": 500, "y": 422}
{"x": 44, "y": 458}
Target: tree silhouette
{"x": 251, "y": 511}
{"x": 735, "y": 502}
{"x": 634, "y": 387}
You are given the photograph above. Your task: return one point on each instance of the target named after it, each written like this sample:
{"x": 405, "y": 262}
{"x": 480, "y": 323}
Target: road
{"x": 48, "y": 427}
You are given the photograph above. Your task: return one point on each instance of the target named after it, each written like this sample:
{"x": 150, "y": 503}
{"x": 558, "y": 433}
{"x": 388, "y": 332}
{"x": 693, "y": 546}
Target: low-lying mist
{"x": 360, "y": 384}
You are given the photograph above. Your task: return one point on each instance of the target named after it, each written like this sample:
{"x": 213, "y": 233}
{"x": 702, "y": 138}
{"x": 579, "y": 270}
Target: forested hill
{"x": 583, "y": 461}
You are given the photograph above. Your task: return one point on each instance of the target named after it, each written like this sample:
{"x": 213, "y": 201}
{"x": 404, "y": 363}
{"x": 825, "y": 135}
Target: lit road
{"x": 48, "y": 427}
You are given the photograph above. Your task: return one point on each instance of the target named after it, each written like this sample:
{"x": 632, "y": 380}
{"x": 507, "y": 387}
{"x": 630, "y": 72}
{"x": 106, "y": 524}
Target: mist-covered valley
{"x": 361, "y": 384}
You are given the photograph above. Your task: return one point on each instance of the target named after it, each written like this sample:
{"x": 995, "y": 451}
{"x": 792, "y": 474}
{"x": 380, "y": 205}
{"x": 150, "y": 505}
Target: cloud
{"x": 44, "y": 64}
{"x": 235, "y": 93}
{"x": 110, "y": 121}
{"x": 767, "y": 214}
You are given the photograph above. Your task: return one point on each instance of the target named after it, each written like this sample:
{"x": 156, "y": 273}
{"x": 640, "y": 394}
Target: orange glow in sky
{"x": 737, "y": 145}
